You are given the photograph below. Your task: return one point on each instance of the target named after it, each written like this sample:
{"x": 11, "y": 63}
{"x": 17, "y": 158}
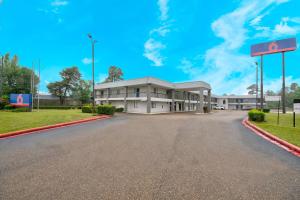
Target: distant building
{"x": 239, "y": 102}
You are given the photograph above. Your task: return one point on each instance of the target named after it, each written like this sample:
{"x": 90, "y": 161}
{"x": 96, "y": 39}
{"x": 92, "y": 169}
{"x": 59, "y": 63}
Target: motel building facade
{"x": 237, "y": 102}
{"x": 151, "y": 95}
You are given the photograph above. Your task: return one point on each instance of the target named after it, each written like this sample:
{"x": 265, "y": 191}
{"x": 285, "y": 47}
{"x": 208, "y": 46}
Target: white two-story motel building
{"x": 152, "y": 95}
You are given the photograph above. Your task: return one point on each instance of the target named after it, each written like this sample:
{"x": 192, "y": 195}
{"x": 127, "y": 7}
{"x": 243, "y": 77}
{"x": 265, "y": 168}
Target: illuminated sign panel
{"x": 20, "y": 100}
{"x": 274, "y": 47}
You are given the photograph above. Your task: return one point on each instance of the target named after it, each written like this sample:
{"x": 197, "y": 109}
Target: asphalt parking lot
{"x": 171, "y": 156}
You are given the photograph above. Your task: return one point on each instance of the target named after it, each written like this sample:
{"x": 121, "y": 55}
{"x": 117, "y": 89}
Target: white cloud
{"x": 154, "y": 44}
{"x": 87, "y": 61}
{"x": 58, "y": 3}
{"x": 164, "y": 8}
{"x": 152, "y": 51}
{"x": 276, "y": 84}
{"x": 284, "y": 29}
{"x": 227, "y": 70}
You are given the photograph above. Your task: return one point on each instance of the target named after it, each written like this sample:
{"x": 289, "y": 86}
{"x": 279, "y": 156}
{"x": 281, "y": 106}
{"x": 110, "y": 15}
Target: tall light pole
{"x": 256, "y": 86}
{"x": 1, "y": 75}
{"x": 93, "y": 41}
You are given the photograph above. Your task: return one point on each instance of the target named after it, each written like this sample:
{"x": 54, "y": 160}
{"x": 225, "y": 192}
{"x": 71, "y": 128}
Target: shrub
{"x": 256, "y": 115}
{"x": 119, "y": 109}
{"x": 87, "y": 109}
{"x": 57, "y": 107}
{"x": 23, "y": 109}
{"x": 3, "y": 101}
{"x": 266, "y": 110}
{"x": 9, "y": 107}
{"x": 106, "y": 109}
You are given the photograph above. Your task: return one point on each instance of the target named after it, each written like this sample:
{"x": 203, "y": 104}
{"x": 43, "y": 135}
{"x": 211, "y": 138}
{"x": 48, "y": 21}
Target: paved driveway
{"x": 179, "y": 156}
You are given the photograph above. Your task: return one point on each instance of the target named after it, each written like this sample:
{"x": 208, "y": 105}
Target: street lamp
{"x": 93, "y": 41}
{"x": 256, "y": 86}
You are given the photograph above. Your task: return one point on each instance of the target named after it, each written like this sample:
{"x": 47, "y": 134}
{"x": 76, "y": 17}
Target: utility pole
{"x": 32, "y": 86}
{"x": 93, "y": 42}
{"x": 38, "y": 89}
{"x": 1, "y": 75}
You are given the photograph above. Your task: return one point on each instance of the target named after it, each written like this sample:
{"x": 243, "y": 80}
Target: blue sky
{"x": 173, "y": 40}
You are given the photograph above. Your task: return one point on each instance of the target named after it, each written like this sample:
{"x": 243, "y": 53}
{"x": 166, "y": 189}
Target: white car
{"x": 219, "y": 108}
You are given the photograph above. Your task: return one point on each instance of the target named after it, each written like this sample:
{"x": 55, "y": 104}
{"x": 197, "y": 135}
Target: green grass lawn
{"x": 285, "y": 129}
{"x": 12, "y": 121}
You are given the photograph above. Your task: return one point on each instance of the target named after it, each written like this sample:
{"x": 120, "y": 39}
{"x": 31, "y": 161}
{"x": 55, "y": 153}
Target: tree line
{"x": 16, "y": 78}
{"x": 292, "y": 92}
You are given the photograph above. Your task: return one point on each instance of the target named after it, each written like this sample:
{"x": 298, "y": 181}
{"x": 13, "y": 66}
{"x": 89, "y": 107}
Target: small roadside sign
{"x": 297, "y": 105}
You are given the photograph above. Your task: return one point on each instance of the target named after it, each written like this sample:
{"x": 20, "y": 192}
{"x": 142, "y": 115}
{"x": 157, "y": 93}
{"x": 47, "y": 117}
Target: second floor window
{"x": 137, "y": 92}
{"x": 118, "y": 92}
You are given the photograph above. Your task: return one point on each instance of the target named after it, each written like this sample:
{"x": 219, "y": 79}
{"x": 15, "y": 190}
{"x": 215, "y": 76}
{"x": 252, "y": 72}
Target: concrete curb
{"x": 271, "y": 138}
{"x": 42, "y": 128}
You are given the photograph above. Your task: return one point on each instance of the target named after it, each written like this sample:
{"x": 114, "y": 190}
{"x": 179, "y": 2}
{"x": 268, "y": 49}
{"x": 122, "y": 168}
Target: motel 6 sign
{"x": 274, "y": 47}
{"x": 20, "y": 100}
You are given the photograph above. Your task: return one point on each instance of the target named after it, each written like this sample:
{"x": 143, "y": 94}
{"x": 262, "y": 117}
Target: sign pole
{"x": 261, "y": 83}
{"x": 283, "y": 84}
{"x": 278, "y": 112}
{"x": 294, "y": 119}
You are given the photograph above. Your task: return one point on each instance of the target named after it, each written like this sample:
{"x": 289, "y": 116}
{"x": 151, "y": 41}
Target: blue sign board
{"x": 20, "y": 100}
{"x": 274, "y": 47}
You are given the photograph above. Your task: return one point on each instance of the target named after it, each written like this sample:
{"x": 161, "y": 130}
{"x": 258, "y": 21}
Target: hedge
{"x": 87, "y": 109}
{"x": 23, "y": 109}
{"x": 266, "y": 110}
{"x": 9, "y": 107}
{"x": 256, "y": 115}
{"x": 59, "y": 107}
{"x": 119, "y": 109}
{"x": 106, "y": 109}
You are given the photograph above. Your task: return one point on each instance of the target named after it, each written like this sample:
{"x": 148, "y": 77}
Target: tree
{"x": 65, "y": 87}
{"x": 83, "y": 91}
{"x": 15, "y": 78}
{"x": 252, "y": 89}
{"x": 57, "y": 89}
{"x": 114, "y": 74}
{"x": 294, "y": 86}
{"x": 270, "y": 93}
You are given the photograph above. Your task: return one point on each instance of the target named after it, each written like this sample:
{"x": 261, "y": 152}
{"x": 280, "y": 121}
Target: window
{"x": 153, "y": 104}
{"x": 224, "y": 101}
{"x": 137, "y": 92}
{"x": 102, "y": 93}
{"x": 118, "y": 91}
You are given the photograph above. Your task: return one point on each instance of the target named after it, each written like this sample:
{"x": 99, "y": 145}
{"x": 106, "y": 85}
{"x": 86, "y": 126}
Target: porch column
{"x": 173, "y": 100}
{"x": 209, "y": 101}
{"x": 184, "y": 97}
{"x": 125, "y": 99}
{"x": 149, "y": 98}
{"x": 201, "y": 102}
{"x": 108, "y": 95}
{"x": 189, "y": 97}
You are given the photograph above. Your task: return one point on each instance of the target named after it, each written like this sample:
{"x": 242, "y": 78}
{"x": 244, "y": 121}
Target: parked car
{"x": 219, "y": 108}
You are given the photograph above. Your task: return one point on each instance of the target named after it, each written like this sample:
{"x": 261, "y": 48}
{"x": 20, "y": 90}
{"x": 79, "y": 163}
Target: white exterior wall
{"x": 141, "y": 107}
{"x": 161, "y": 107}
{"x": 117, "y": 104}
